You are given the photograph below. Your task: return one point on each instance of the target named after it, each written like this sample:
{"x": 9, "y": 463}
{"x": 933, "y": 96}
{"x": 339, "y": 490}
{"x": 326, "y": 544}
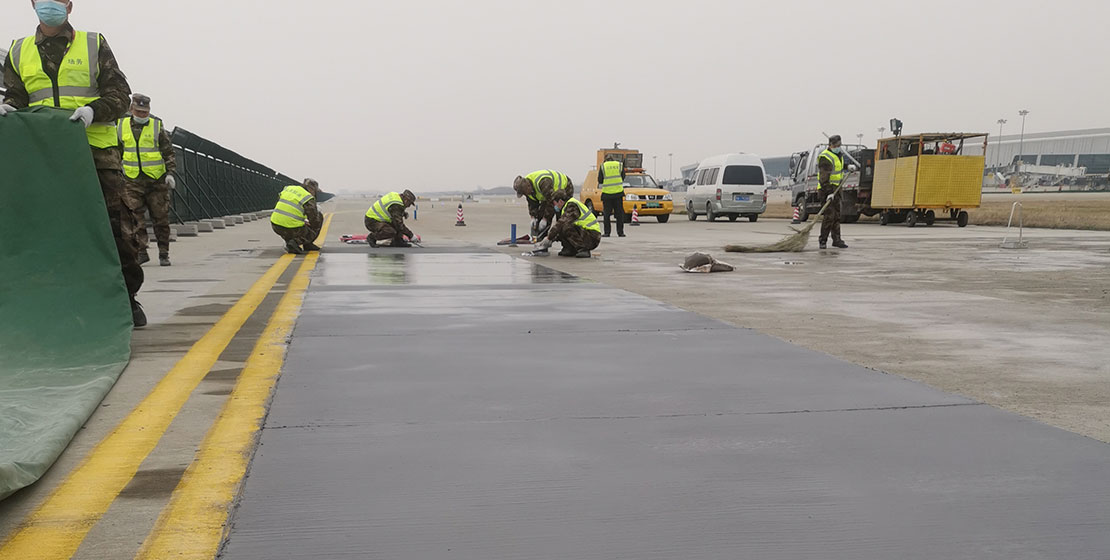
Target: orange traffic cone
{"x": 635, "y": 217}
{"x": 797, "y": 216}
{"x": 459, "y": 221}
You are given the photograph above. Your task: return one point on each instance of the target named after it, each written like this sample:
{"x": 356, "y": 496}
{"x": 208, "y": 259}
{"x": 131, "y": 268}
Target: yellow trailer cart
{"x": 917, "y": 176}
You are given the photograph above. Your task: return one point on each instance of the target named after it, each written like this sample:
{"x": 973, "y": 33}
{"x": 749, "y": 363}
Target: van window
{"x": 743, "y": 175}
{"x": 702, "y": 175}
{"x": 712, "y": 180}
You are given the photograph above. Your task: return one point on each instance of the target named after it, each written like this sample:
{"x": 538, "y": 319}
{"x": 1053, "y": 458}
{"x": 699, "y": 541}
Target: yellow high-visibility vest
{"x": 77, "y": 83}
{"x": 613, "y": 184}
{"x": 142, "y": 154}
{"x": 586, "y": 218}
{"x": 379, "y": 211}
{"x": 837, "y": 174}
{"x": 289, "y": 212}
{"x": 559, "y": 182}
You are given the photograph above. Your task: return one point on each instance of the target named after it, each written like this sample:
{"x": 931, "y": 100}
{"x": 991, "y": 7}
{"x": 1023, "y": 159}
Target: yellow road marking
{"x": 192, "y": 524}
{"x": 57, "y": 527}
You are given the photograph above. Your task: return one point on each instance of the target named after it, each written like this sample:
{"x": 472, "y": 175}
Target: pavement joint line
{"x": 58, "y": 526}
{"x": 528, "y": 333}
{"x": 629, "y": 417}
{"x": 194, "y": 522}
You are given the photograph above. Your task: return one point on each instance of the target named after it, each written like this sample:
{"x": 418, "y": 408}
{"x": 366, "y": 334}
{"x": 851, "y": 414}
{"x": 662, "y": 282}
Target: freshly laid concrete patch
{"x": 438, "y": 405}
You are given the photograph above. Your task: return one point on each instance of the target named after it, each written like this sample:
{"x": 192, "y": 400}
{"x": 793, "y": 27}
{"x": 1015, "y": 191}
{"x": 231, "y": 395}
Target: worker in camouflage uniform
{"x": 577, "y": 228}
{"x": 297, "y": 219}
{"x": 148, "y": 166}
{"x": 830, "y": 168}
{"x": 53, "y": 68}
{"x": 539, "y": 188}
{"x": 385, "y": 220}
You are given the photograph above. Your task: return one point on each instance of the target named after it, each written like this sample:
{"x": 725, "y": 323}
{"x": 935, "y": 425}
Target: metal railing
{"x": 213, "y": 181}
{"x": 1020, "y": 243}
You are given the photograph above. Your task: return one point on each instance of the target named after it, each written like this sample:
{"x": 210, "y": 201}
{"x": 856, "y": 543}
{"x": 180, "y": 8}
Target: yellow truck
{"x": 919, "y": 175}
{"x": 641, "y": 192}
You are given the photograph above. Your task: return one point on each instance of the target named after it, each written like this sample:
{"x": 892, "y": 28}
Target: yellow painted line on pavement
{"x": 57, "y": 527}
{"x": 192, "y": 525}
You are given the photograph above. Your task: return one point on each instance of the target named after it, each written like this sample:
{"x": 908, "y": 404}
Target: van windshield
{"x": 743, "y": 175}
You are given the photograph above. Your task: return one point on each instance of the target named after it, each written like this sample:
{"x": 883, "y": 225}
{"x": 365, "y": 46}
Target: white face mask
{"x": 141, "y": 120}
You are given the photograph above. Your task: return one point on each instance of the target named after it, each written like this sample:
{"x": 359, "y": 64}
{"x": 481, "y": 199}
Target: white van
{"x": 732, "y": 185}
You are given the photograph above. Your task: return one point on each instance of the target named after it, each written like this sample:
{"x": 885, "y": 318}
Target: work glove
{"x": 852, "y": 168}
{"x": 5, "y": 109}
{"x": 83, "y": 114}
{"x": 828, "y": 199}
{"x": 171, "y": 182}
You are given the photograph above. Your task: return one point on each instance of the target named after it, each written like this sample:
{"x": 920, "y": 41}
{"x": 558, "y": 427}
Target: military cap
{"x": 141, "y": 101}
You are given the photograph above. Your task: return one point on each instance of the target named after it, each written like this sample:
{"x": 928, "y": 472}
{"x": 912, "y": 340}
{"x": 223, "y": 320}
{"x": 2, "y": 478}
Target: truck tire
{"x": 911, "y": 218}
{"x": 800, "y": 204}
{"x": 663, "y": 218}
{"x": 753, "y": 217}
{"x": 930, "y": 217}
{"x": 884, "y": 218}
{"x": 961, "y": 219}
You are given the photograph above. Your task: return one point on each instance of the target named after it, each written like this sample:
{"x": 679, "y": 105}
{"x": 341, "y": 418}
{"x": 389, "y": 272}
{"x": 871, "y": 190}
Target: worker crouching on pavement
{"x": 148, "y": 166}
{"x": 577, "y": 228}
{"x": 296, "y": 219}
{"x": 385, "y": 220}
{"x": 539, "y": 188}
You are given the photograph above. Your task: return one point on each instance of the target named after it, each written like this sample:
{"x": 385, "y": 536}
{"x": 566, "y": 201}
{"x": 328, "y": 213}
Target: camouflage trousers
{"x": 382, "y": 231}
{"x": 578, "y": 239}
{"x": 830, "y": 221}
{"x": 124, "y": 227}
{"x": 301, "y": 236}
{"x": 154, "y": 196}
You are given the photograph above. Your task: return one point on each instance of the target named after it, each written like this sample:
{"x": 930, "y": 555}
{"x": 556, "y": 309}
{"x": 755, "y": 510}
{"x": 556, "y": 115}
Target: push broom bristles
{"x": 790, "y": 244}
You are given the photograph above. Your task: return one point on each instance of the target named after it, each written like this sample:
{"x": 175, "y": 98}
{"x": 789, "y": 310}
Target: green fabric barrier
{"x": 65, "y": 318}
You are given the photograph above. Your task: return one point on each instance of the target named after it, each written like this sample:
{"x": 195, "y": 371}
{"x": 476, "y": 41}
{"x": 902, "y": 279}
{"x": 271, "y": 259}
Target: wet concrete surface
{"x": 448, "y": 404}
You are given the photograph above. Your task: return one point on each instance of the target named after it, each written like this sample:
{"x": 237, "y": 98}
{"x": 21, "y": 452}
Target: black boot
{"x": 144, "y": 257}
{"x": 310, "y": 247}
{"x": 138, "y": 316}
{"x": 164, "y": 259}
{"x": 583, "y": 254}
{"x": 840, "y": 244}
{"x": 292, "y": 247}
{"x": 567, "y": 251}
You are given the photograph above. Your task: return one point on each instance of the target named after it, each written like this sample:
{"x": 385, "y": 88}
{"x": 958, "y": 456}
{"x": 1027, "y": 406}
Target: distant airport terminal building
{"x": 1089, "y": 148}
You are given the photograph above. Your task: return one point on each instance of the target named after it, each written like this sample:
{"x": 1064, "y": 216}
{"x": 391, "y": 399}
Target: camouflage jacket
{"x": 115, "y": 94}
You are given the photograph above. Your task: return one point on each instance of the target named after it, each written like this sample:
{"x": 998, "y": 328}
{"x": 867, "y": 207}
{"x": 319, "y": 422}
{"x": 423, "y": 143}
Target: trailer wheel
{"x": 911, "y": 218}
{"x": 930, "y": 217}
{"x": 884, "y": 218}
{"x": 961, "y": 219}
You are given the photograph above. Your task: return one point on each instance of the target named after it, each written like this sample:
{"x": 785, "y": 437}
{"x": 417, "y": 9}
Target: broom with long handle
{"x": 790, "y": 244}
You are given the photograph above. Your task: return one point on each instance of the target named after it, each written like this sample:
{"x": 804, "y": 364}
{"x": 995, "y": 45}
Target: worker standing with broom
{"x": 830, "y": 168}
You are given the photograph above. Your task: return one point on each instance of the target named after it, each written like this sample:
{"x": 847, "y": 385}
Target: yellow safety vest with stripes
{"x": 613, "y": 184}
{"x": 142, "y": 154}
{"x": 586, "y": 219}
{"x": 77, "y": 83}
{"x": 837, "y": 174}
{"x": 559, "y": 182}
{"x": 380, "y": 210}
{"x": 289, "y": 212}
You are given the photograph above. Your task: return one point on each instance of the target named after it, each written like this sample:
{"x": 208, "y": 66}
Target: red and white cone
{"x": 635, "y": 217}
{"x": 459, "y": 221}
{"x": 797, "y": 216}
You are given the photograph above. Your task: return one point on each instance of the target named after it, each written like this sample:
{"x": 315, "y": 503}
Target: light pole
{"x": 882, "y": 129}
{"x": 859, "y": 138}
{"x": 655, "y": 167}
{"x": 999, "y": 151}
{"x": 670, "y": 171}
{"x": 1021, "y": 141}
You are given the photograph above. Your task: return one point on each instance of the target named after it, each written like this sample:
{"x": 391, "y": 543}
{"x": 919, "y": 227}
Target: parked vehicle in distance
{"x": 732, "y": 185}
{"x": 641, "y": 192}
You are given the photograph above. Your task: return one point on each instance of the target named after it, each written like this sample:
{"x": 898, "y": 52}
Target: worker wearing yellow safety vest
{"x": 611, "y": 179}
{"x": 148, "y": 166}
{"x": 76, "y": 71}
{"x": 296, "y": 218}
{"x": 577, "y": 229}
{"x": 385, "y": 220}
{"x": 830, "y": 168}
{"x": 539, "y": 188}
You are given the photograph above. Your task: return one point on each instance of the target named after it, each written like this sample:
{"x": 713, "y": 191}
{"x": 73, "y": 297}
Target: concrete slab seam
{"x": 59, "y": 525}
{"x": 193, "y": 524}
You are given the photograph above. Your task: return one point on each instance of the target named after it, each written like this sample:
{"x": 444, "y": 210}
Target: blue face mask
{"x": 51, "y": 13}
{"x": 141, "y": 120}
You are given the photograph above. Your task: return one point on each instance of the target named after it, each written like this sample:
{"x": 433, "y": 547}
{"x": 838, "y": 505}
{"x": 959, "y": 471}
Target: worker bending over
{"x": 577, "y": 228}
{"x": 385, "y": 220}
{"x": 148, "y": 166}
{"x": 296, "y": 219}
{"x": 539, "y": 188}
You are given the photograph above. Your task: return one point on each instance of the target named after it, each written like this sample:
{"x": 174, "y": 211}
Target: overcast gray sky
{"x": 441, "y": 95}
